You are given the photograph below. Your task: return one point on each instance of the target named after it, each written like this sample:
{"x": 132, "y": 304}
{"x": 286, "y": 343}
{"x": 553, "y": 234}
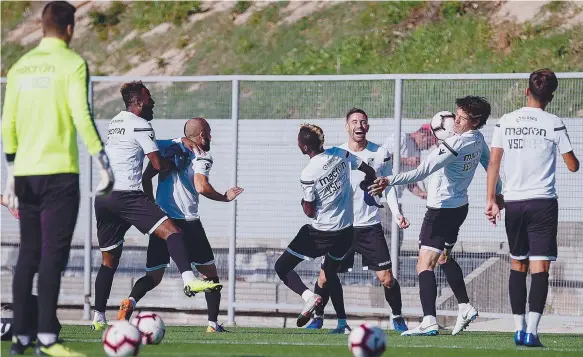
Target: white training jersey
{"x": 366, "y": 207}
{"x": 326, "y": 181}
{"x": 453, "y": 165}
{"x": 129, "y": 139}
{"x": 176, "y": 194}
{"x": 530, "y": 138}
{"x": 408, "y": 148}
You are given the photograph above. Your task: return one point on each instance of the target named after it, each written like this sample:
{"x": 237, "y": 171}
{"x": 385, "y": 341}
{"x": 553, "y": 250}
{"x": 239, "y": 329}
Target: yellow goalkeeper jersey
{"x": 45, "y": 105}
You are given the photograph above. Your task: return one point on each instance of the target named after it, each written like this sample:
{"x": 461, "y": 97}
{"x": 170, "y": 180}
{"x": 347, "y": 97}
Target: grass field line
{"x": 283, "y": 343}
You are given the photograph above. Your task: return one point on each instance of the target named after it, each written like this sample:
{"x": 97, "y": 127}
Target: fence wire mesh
{"x": 268, "y": 213}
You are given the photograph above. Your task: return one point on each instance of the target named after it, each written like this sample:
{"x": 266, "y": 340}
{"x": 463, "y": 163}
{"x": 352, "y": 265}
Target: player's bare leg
{"x": 213, "y": 299}
{"x": 426, "y": 263}
{"x": 455, "y": 278}
{"x": 103, "y": 283}
{"x": 174, "y": 238}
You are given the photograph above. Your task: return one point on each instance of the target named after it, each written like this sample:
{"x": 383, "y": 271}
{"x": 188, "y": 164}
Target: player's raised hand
{"x": 492, "y": 211}
{"x": 233, "y": 192}
{"x": 378, "y": 186}
{"x": 402, "y": 222}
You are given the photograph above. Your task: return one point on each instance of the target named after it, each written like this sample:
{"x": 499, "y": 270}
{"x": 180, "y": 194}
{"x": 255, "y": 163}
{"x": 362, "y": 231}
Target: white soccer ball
{"x": 151, "y": 326}
{"x": 367, "y": 341}
{"x": 121, "y": 339}
{"x": 442, "y": 125}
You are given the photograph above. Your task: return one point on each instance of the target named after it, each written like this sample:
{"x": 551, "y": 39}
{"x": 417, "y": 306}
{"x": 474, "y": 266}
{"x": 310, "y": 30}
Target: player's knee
{"x": 111, "y": 258}
{"x": 520, "y": 265}
{"x": 166, "y": 229}
{"x": 156, "y": 276}
{"x": 386, "y": 278}
{"x": 280, "y": 267}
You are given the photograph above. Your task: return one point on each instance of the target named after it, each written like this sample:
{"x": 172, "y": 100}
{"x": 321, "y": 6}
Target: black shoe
{"x": 17, "y": 348}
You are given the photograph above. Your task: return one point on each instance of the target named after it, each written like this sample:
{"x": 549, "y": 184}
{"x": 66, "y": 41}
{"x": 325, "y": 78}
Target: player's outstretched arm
{"x": 203, "y": 187}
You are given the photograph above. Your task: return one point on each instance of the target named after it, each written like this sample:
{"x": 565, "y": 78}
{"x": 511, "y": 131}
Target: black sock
{"x": 428, "y": 292}
{"x": 142, "y": 286}
{"x": 455, "y": 278}
{"x": 284, "y": 268}
{"x": 103, "y": 283}
{"x": 325, "y": 294}
{"x": 539, "y": 289}
{"x": 177, "y": 252}
{"x": 393, "y": 297}
{"x": 335, "y": 288}
{"x": 213, "y": 302}
{"x": 517, "y": 291}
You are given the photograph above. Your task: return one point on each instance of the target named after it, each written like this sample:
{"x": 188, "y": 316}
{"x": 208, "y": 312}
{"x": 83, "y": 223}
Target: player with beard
{"x": 178, "y": 195}
{"x": 369, "y": 238}
{"x": 130, "y": 137}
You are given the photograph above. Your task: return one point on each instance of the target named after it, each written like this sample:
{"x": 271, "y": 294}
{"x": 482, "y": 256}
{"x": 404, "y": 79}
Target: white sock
{"x": 397, "y": 316}
{"x": 533, "y": 320}
{"x": 188, "y": 276}
{"x": 99, "y": 316}
{"x": 133, "y": 302}
{"x": 463, "y": 307}
{"x": 519, "y": 323}
{"x": 47, "y": 338}
{"x": 429, "y": 320}
{"x": 24, "y": 339}
{"x": 306, "y": 295}
{"x": 213, "y": 324}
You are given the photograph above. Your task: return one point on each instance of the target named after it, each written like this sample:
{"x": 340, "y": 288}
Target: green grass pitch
{"x": 256, "y": 342}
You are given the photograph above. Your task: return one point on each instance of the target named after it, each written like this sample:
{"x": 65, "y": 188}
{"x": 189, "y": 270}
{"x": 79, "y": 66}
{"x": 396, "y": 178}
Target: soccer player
{"x": 369, "y": 238}
{"x": 130, "y": 137}
{"x": 454, "y": 164}
{"x": 178, "y": 195}
{"x": 529, "y": 138}
{"x": 328, "y": 201}
{"x": 45, "y": 106}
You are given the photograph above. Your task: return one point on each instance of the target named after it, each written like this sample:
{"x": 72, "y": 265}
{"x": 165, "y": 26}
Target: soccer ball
{"x": 442, "y": 125}
{"x": 121, "y": 339}
{"x": 367, "y": 341}
{"x": 151, "y": 326}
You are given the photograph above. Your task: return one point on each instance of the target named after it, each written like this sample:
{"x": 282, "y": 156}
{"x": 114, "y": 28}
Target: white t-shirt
{"x": 176, "y": 194}
{"x": 530, "y": 138}
{"x": 129, "y": 139}
{"x": 365, "y": 206}
{"x": 454, "y": 163}
{"x": 408, "y": 148}
{"x": 326, "y": 181}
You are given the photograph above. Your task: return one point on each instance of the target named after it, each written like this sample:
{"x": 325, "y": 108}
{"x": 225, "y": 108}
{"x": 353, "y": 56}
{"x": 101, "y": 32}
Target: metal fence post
{"x": 89, "y": 223}
{"x": 233, "y": 235}
{"x": 396, "y": 169}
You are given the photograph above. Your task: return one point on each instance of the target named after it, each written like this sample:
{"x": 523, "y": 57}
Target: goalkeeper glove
{"x": 106, "y": 183}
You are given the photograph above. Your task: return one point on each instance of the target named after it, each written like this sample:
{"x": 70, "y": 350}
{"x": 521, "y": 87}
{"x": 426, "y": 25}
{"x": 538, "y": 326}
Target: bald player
{"x": 44, "y": 108}
{"x": 178, "y": 194}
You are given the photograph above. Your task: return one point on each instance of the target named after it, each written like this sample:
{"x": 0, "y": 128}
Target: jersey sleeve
{"x": 144, "y": 135}
{"x": 202, "y": 164}
{"x": 387, "y": 165}
{"x": 9, "y": 140}
{"x": 79, "y": 107}
{"x": 497, "y": 137}
{"x": 562, "y": 138}
{"x": 435, "y": 161}
{"x": 308, "y": 186}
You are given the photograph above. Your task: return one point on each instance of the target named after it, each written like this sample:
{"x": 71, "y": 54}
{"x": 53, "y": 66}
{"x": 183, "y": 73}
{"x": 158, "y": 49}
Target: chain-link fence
{"x": 254, "y": 122}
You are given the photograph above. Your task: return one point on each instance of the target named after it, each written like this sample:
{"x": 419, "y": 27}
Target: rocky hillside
{"x": 311, "y": 37}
